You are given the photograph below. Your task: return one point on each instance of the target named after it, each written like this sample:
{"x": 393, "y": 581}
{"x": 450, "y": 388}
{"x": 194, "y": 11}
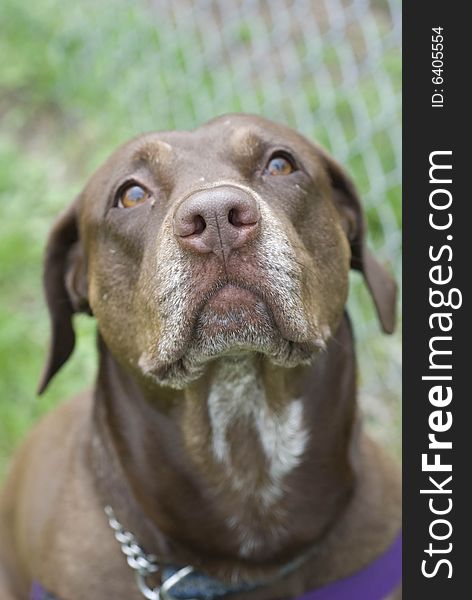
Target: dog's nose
{"x": 217, "y": 220}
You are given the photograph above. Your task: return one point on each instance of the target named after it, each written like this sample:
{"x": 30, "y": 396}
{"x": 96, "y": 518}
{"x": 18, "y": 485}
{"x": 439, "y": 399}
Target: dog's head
{"x": 187, "y": 245}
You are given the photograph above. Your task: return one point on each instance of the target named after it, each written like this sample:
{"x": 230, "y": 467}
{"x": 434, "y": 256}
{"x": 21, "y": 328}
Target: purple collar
{"x": 374, "y": 582}
{"x": 39, "y": 593}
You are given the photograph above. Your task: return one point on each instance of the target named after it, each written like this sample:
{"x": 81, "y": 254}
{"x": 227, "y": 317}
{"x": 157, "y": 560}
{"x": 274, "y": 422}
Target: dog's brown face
{"x": 237, "y": 236}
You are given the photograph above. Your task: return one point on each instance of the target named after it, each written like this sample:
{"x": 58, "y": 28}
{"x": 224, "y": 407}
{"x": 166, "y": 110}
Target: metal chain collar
{"x": 143, "y": 564}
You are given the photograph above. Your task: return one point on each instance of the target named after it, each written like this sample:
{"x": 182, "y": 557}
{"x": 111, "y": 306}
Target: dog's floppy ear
{"x": 65, "y": 286}
{"x": 381, "y": 285}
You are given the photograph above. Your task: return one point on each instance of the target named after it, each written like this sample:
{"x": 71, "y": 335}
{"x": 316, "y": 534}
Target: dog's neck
{"x": 251, "y": 464}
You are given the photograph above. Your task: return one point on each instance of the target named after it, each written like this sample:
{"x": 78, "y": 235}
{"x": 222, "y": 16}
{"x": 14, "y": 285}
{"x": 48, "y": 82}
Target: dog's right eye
{"x": 131, "y": 196}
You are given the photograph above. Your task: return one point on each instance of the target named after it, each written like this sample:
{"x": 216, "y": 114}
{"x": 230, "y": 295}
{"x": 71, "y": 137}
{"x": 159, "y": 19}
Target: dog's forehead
{"x": 241, "y": 130}
{"x": 230, "y": 137}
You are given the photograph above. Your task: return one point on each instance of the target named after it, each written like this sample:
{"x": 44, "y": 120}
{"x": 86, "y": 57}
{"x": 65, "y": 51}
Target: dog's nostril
{"x": 189, "y": 225}
{"x": 232, "y": 218}
{"x": 199, "y": 225}
{"x": 239, "y": 218}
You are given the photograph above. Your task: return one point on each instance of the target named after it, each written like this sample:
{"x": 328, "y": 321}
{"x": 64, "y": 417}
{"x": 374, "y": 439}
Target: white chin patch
{"x": 237, "y": 394}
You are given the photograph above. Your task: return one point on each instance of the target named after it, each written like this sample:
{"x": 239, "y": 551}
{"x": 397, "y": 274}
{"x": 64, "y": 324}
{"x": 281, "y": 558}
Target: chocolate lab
{"x": 221, "y": 453}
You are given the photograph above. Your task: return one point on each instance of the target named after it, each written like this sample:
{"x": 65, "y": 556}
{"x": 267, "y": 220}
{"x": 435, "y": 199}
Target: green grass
{"x": 75, "y": 81}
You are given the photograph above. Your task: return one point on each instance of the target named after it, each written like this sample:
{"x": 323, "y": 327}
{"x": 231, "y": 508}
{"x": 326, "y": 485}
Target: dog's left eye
{"x": 132, "y": 196}
{"x": 279, "y": 165}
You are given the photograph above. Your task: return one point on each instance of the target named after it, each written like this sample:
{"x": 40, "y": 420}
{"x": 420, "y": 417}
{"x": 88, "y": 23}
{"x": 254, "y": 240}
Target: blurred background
{"x": 78, "y": 78}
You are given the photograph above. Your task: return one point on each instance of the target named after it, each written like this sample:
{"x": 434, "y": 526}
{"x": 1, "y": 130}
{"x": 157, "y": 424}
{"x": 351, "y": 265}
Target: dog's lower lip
{"x": 230, "y": 310}
{"x": 230, "y": 296}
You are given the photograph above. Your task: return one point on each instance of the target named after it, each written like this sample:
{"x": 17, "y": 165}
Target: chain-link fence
{"x": 329, "y": 68}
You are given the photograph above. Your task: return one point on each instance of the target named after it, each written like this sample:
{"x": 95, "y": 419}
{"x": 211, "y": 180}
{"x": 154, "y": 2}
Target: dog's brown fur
{"x": 145, "y": 440}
